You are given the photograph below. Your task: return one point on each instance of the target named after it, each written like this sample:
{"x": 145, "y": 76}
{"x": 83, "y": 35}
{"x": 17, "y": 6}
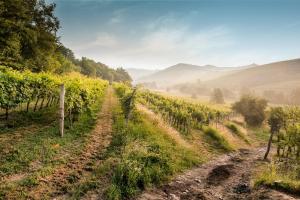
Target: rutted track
{"x": 225, "y": 178}
{"x": 54, "y": 186}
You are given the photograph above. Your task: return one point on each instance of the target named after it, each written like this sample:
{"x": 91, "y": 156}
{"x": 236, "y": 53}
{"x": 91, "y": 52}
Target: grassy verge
{"x": 140, "y": 155}
{"x": 213, "y": 137}
{"x": 271, "y": 176}
{"x": 146, "y": 157}
{"x": 37, "y": 154}
{"x": 234, "y": 129}
{"x": 260, "y": 134}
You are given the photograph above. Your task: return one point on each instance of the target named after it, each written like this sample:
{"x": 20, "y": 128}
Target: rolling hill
{"x": 183, "y": 73}
{"x": 136, "y": 73}
{"x": 283, "y": 75}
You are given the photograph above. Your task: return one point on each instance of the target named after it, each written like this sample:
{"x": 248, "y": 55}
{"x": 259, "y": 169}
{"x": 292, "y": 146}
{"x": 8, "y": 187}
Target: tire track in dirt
{"x": 225, "y": 178}
{"x": 54, "y": 186}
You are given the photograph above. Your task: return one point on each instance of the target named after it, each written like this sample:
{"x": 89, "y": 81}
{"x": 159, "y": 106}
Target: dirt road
{"x": 226, "y": 178}
{"x": 78, "y": 168}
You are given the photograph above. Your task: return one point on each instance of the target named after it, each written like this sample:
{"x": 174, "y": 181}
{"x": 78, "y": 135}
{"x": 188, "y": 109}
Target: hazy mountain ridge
{"x": 136, "y": 73}
{"x": 183, "y": 73}
{"x": 267, "y": 76}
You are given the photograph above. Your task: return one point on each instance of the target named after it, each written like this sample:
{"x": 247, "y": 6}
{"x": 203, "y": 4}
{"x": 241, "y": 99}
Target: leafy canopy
{"x": 252, "y": 108}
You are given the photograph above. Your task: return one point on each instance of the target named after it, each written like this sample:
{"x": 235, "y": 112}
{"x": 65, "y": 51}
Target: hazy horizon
{"x": 158, "y": 34}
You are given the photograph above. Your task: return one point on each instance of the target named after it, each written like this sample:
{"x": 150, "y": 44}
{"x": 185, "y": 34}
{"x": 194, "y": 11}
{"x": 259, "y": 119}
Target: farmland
{"x": 94, "y": 106}
{"x": 125, "y": 143}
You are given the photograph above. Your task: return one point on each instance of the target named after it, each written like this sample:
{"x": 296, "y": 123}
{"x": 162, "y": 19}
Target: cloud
{"x": 177, "y": 44}
{"x": 105, "y": 40}
{"x": 117, "y": 16}
{"x": 163, "y": 40}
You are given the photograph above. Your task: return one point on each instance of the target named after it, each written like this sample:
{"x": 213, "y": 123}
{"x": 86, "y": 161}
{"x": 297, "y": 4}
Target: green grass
{"x": 271, "y": 176}
{"x": 21, "y": 118}
{"x": 213, "y": 137}
{"x": 139, "y": 156}
{"x": 38, "y": 153}
{"x": 145, "y": 157}
{"x": 234, "y": 129}
{"x": 43, "y": 145}
{"x": 261, "y": 134}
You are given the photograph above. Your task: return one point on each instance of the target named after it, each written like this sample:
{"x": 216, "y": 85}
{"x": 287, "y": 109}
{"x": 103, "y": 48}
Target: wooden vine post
{"x": 61, "y": 109}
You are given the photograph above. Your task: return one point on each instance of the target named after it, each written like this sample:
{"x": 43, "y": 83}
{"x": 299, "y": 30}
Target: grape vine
{"x": 181, "y": 114}
{"x": 25, "y": 87}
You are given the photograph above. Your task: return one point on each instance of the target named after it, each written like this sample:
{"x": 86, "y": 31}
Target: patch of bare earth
{"x": 55, "y": 185}
{"x": 225, "y": 178}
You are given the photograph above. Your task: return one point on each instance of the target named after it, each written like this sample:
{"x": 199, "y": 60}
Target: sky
{"x": 159, "y": 33}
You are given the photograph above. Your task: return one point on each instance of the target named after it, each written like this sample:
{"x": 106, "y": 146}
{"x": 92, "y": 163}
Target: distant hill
{"x": 278, "y": 76}
{"x": 182, "y": 73}
{"x": 136, "y": 73}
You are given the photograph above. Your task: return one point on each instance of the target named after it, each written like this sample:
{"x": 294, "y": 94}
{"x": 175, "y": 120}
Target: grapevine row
{"x": 181, "y": 114}
{"x": 25, "y": 87}
{"x": 288, "y": 136}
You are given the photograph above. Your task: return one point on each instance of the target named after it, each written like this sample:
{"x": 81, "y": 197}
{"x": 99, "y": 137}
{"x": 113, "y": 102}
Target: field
{"x": 149, "y": 100}
{"x": 123, "y": 143}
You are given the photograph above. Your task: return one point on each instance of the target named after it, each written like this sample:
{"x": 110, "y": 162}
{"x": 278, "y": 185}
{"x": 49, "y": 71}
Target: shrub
{"x": 217, "y": 96}
{"x": 252, "y": 109}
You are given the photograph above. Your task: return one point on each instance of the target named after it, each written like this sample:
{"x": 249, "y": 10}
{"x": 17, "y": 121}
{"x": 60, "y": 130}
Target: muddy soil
{"x": 225, "y": 178}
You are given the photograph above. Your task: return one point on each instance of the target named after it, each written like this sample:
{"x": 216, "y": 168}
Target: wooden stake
{"x": 62, "y": 109}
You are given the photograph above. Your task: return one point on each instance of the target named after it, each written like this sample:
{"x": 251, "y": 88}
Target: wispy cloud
{"x": 165, "y": 42}
{"x": 161, "y": 33}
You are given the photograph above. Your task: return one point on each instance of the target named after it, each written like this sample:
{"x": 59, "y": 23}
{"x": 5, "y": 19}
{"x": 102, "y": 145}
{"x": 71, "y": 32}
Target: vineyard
{"x": 26, "y": 88}
{"x": 183, "y": 115}
{"x": 106, "y": 121}
{"x": 288, "y": 133}
{"x": 125, "y": 146}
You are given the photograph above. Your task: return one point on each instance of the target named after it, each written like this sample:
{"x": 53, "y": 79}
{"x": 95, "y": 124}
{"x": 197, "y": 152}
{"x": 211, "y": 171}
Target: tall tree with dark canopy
{"x": 28, "y": 34}
{"x": 252, "y": 109}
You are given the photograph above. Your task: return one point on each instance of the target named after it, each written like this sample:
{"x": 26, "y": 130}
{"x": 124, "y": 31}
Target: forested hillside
{"x": 29, "y": 41}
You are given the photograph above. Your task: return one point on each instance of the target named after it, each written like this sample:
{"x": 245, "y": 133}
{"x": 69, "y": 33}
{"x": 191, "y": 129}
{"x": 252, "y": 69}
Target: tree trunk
{"x": 6, "y": 113}
{"x": 52, "y": 100}
{"x": 48, "y": 102}
{"x": 36, "y": 103}
{"x": 269, "y": 145}
{"x": 27, "y": 107}
{"x": 42, "y": 104}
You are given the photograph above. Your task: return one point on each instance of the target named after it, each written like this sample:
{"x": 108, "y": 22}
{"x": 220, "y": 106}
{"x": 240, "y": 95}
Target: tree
{"x": 121, "y": 75}
{"x": 28, "y": 34}
{"x": 88, "y": 67}
{"x": 28, "y": 41}
{"x": 217, "y": 96}
{"x": 252, "y": 109}
{"x": 275, "y": 121}
{"x": 67, "y": 53}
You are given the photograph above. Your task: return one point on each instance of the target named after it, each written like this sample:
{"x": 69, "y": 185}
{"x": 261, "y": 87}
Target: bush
{"x": 252, "y": 109}
{"x": 217, "y": 96}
